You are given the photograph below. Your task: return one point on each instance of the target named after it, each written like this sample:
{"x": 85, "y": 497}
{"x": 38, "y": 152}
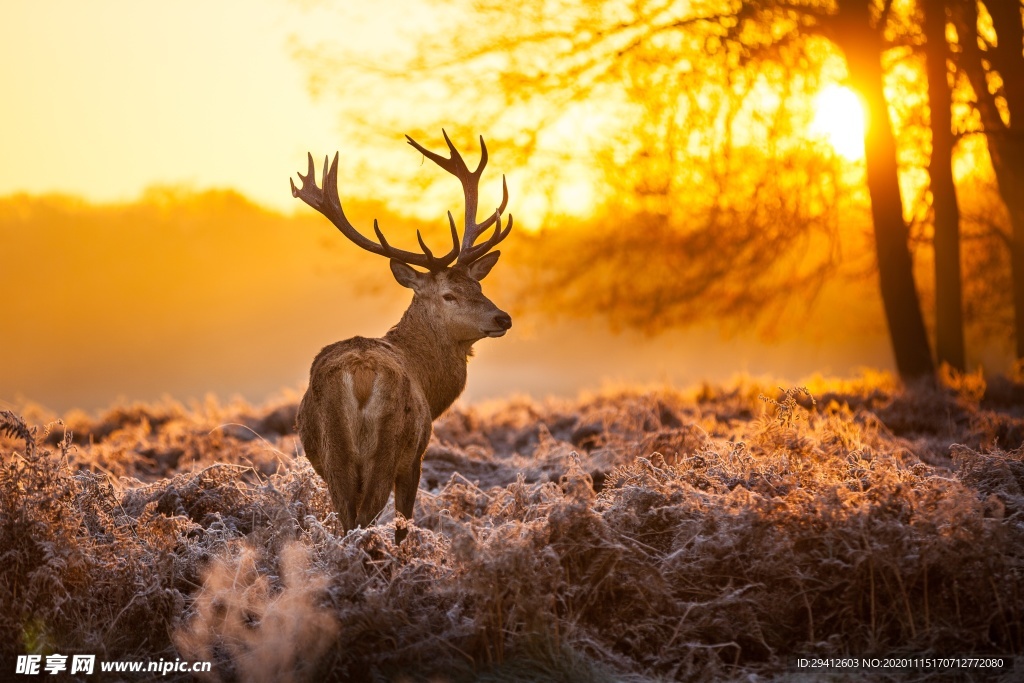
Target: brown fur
{"x": 363, "y": 377}
{"x": 365, "y": 419}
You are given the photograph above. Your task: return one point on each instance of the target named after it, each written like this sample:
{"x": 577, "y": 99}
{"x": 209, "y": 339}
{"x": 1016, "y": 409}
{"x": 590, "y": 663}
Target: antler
{"x": 325, "y": 200}
{"x": 470, "y": 187}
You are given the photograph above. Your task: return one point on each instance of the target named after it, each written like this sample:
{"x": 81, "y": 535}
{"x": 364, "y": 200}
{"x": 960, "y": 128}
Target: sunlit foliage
{"x": 680, "y": 137}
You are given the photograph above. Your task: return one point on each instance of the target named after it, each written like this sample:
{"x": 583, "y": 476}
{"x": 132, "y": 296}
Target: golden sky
{"x": 107, "y": 97}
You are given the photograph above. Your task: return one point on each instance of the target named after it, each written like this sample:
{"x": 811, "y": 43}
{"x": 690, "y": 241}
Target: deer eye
{"x": 449, "y": 297}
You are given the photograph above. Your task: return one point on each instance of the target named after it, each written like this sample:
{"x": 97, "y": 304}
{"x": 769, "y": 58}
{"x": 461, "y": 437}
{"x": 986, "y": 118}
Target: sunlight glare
{"x": 839, "y": 120}
{"x": 576, "y": 197}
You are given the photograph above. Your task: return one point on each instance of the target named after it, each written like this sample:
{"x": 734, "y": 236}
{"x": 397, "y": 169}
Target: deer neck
{"x": 434, "y": 360}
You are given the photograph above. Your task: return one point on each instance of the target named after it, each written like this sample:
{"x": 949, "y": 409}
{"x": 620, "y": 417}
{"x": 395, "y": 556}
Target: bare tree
{"x": 949, "y": 323}
{"x": 993, "y": 61}
{"x": 861, "y": 37}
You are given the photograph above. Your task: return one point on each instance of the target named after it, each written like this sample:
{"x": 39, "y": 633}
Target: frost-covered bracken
{"x": 631, "y": 535}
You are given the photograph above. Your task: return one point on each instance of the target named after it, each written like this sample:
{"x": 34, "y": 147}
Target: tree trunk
{"x": 1005, "y": 140}
{"x": 862, "y": 44}
{"x": 949, "y": 324}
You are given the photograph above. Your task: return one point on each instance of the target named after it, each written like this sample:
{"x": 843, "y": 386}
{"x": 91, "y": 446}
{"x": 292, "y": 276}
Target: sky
{"x": 105, "y": 98}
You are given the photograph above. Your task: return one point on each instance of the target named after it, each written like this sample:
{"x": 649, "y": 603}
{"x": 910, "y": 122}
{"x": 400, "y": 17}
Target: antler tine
{"x": 473, "y": 253}
{"x": 470, "y": 180}
{"x": 454, "y": 164}
{"x": 469, "y": 239}
{"x": 423, "y": 245}
{"x": 456, "y": 159}
{"x": 483, "y": 158}
{"x": 326, "y": 201}
{"x": 304, "y": 179}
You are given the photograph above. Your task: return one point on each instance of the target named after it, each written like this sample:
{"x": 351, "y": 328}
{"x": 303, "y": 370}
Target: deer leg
{"x": 310, "y": 446}
{"x": 406, "y": 485}
{"x": 343, "y": 485}
{"x": 374, "y": 498}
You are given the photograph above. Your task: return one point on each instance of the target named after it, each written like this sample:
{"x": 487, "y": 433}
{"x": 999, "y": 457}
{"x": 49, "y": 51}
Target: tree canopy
{"x": 684, "y": 128}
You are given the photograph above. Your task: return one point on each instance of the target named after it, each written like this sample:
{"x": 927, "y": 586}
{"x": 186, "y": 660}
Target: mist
{"x": 185, "y": 294}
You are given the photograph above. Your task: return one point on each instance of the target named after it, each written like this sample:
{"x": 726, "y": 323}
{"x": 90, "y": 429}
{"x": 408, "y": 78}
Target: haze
{"x": 106, "y": 99}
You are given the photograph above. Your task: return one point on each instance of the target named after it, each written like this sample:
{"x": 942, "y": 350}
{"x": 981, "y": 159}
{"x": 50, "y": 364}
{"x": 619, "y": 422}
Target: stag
{"x": 366, "y": 417}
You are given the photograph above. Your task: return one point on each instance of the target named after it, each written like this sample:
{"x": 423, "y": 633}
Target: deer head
{"x": 450, "y": 295}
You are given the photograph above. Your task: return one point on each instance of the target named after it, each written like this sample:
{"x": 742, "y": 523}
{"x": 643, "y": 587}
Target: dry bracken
{"x": 647, "y": 535}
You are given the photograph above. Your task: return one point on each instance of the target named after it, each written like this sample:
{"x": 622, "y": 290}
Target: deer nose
{"x": 504, "y": 320}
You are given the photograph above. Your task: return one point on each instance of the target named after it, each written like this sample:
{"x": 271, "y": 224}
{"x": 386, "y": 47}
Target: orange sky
{"x": 107, "y": 97}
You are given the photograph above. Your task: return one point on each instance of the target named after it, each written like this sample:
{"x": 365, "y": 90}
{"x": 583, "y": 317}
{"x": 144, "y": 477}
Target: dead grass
{"x": 653, "y": 535}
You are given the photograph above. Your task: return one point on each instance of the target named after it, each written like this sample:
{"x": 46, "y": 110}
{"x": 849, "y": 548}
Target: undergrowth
{"x": 645, "y": 535}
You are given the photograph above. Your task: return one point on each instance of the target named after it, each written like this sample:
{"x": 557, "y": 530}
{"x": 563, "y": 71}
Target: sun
{"x": 839, "y": 120}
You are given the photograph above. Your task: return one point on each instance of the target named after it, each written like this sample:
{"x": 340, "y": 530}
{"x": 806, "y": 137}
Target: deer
{"x": 366, "y": 417}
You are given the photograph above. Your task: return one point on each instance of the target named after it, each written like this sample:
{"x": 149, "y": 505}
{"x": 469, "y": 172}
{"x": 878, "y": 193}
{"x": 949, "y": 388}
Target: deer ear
{"x": 405, "y": 274}
{"x": 478, "y": 269}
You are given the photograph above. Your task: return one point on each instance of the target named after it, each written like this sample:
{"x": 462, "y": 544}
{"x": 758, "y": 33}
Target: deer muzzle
{"x": 502, "y": 324}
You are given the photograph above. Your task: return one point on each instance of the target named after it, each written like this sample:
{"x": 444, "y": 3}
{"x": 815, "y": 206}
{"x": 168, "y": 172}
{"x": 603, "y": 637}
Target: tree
{"x": 861, "y": 37}
{"x": 949, "y": 323}
{"x": 707, "y": 95}
{"x": 993, "y": 60}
